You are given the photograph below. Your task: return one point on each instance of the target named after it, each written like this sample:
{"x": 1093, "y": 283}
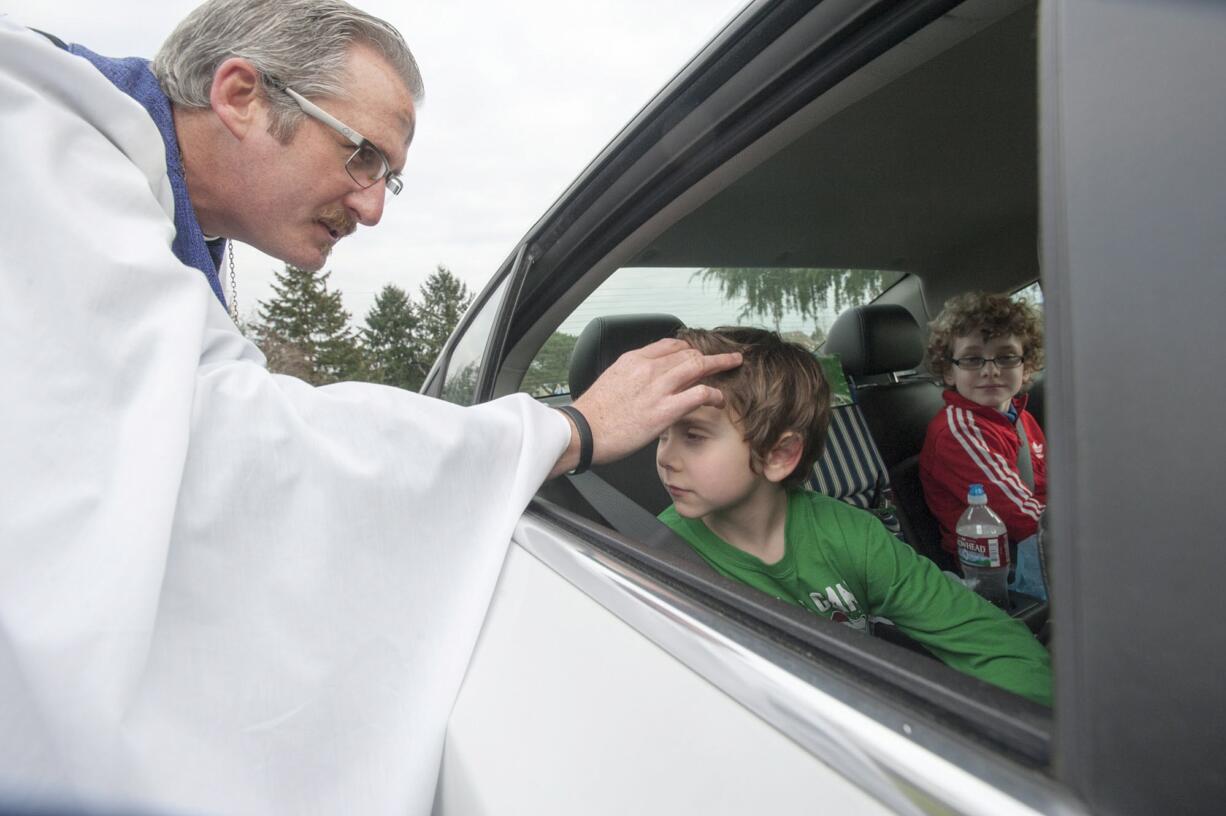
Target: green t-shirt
{"x": 840, "y": 563}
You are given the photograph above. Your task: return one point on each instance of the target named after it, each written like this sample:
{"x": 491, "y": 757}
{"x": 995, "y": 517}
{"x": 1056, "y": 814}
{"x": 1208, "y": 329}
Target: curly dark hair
{"x": 779, "y": 387}
{"x": 992, "y": 315}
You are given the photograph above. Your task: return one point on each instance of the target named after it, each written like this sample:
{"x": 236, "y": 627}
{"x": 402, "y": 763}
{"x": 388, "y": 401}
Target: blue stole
{"x": 132, "y": 76}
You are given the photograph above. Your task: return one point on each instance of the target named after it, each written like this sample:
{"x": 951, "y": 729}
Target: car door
{"x": 612, "y": 676}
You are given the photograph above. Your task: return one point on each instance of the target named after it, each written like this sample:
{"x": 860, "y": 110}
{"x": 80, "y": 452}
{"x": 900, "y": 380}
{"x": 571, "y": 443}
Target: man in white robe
{"x": 222, "y": 590}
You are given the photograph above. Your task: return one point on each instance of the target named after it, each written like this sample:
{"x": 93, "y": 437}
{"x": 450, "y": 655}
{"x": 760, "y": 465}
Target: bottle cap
{"x": 976, "y": 495}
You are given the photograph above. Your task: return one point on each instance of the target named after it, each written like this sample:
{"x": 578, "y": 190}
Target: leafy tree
{"x": 551, "y": 368}
{"x": 444, "y": 299}
{"x": 393, "y": 348}
{"x": 304, "y": 330}
{"x": 771, "y": 293}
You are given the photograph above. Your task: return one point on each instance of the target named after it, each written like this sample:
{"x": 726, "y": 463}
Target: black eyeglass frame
{"x": 1015, "y": 360}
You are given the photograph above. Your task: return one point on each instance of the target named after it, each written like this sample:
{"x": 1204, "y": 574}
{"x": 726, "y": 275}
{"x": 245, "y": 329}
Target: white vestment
{"x": 221, "y": 590}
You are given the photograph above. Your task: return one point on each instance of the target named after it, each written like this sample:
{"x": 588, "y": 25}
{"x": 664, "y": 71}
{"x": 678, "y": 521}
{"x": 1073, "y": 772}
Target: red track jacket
{"x": 971, "y": 444}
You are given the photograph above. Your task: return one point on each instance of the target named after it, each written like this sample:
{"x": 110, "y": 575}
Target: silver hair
{"x": 300, "y": 43}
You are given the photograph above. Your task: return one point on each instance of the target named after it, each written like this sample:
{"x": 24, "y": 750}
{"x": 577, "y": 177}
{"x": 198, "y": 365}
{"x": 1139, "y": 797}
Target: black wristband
{"x": 585, "y": 438}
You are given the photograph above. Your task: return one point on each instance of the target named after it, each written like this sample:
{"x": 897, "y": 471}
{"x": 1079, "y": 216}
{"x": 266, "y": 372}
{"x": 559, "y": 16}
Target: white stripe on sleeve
{"x": 962, "y": 426}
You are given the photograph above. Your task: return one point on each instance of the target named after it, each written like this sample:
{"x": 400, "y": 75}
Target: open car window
{"x": 905, "y": 183}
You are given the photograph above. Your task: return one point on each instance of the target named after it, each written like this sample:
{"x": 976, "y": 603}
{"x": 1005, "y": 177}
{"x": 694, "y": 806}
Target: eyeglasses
{"x": 976, "y": 363}
{"x": 367, "y": 166}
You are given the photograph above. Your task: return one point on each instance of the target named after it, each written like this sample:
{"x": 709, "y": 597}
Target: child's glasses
{"x": 976, "y": 363}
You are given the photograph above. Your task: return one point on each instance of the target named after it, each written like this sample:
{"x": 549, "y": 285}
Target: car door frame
{"x": 1131, "y": 128}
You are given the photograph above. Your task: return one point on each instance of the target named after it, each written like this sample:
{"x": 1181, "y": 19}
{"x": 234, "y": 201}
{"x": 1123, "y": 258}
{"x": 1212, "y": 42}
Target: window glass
{"x": 1032, "y": 294}
{"x": 464, "y": 367}
{"x": 798, "y": 303}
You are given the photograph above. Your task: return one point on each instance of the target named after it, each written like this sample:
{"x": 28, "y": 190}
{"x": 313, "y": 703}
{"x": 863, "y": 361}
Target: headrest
{"x": 607, "y": 338}
{"x": 876, "y": 339}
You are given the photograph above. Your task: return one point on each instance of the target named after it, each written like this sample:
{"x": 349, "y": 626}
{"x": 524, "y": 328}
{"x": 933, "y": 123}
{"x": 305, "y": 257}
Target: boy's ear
{"x": 783, "y": 457}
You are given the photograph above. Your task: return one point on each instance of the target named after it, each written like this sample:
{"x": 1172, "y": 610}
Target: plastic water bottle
{"x": 983, "y": 548}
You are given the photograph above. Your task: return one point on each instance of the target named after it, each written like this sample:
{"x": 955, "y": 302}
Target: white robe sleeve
{"x": 221, "y": 590}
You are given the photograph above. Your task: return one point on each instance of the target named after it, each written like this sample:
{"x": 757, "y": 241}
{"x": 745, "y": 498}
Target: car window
{"x": 464, "y": 366}
{"x": 864, "y": 196}
{"x": 798, "y": 303}
{"x": 1032, "y": 294}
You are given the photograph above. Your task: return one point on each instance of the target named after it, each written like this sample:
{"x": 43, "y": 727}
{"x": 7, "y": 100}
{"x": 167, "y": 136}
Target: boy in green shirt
{"x": 735, "y": 475}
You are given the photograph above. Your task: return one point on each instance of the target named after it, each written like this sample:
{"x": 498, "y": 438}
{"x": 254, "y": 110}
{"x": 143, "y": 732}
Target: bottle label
{"x": 984, "y": 553}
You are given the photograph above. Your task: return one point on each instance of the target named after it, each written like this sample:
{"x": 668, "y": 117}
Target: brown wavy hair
{"x": 779, "y": 387}
{"x": 992, "y": 315}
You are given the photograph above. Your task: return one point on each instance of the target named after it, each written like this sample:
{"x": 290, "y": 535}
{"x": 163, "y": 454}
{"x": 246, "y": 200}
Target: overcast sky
{"x": 519, "y": 98}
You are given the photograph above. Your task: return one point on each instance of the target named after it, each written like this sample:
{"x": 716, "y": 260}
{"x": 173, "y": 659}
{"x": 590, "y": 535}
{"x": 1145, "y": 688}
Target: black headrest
{"x": 607, "y": 338}
{"x": 876, "y": 339}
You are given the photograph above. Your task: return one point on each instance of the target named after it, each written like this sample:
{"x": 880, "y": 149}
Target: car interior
{"x": 909, "y": 180}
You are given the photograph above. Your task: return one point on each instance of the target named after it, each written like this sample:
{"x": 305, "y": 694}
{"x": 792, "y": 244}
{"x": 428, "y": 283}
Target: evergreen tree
{"x": 393, "y": 349}
{"x": 444, "y": 299}
{"x": 304, "y": 330}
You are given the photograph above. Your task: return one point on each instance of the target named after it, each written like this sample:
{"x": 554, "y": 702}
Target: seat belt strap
{"x": 630, "y": 519}
{"x": 1024, "y": 468}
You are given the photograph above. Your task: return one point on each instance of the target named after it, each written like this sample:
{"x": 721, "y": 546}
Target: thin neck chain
{"x": 233, "y": 284}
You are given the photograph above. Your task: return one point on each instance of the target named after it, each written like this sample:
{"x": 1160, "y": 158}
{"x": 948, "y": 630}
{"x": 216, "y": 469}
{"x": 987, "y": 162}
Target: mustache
{"x": 339, "y": 220}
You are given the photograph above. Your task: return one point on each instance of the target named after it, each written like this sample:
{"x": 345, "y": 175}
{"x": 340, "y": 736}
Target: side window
{"x": 464, "y": 365}
{"x": 1032, "y": 294}
{"x": 798, "y": 303}
{"x": 865, "y": 191}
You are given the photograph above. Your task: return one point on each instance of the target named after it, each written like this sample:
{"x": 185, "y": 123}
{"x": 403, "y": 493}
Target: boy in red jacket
{"x": 986, "y": 349}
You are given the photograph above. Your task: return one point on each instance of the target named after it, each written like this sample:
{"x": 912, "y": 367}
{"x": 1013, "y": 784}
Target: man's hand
{"x": 640, "y": 395}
